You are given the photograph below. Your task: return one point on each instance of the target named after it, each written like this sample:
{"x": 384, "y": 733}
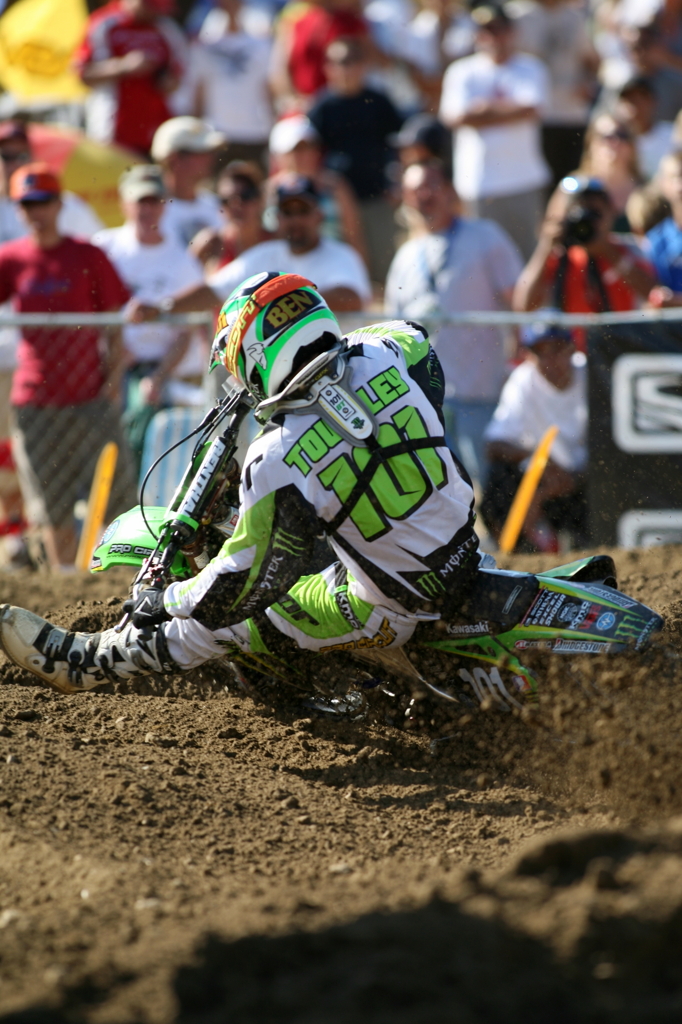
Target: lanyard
{"x": 431, "y": 273}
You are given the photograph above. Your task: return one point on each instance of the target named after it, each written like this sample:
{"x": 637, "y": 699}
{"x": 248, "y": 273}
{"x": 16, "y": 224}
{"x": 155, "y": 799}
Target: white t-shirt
{"x": 151, "y": 273}
{"x": 232, "y": 69}
{"x": 76, "y": 219}
{"x": 503, "y": 159}
{"x": 330, "y": 264}
{"x": 529, "y": 404}
{"x": 184, "y": 218}
{"x": 653, "y": 145}
{"x": 558, "y": 36}
{"x": 471, "y": 267}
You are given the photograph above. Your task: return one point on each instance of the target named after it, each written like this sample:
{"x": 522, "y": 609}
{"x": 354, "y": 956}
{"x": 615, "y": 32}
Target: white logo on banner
{"x": 645, "y": 528}
{"x": 646, "y": 401}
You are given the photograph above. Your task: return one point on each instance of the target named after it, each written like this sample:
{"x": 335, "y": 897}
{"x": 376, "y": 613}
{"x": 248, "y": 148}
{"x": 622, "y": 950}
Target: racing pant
{"x": 322, "y": 613}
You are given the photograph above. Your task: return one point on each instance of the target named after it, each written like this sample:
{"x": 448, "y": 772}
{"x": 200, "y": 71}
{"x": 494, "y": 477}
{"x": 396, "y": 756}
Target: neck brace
{"x": 329, "y": 395}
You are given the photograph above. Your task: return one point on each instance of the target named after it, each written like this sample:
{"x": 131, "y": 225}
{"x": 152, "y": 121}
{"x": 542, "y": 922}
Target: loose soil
{"x": 189, "y": 855}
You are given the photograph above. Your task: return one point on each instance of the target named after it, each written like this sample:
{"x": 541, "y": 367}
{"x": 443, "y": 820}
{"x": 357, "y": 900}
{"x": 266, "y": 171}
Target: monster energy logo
{"x": 288, "y": 542}
{"x": 630, "y": 627}
{"x": 430, "y": 584}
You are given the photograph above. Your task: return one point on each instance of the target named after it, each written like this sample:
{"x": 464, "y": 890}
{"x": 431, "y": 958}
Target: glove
{"x": 147, "y": 609}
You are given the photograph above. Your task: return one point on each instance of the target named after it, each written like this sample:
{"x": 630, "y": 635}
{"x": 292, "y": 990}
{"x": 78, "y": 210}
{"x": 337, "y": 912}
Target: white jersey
{"x": 407, "y": 538}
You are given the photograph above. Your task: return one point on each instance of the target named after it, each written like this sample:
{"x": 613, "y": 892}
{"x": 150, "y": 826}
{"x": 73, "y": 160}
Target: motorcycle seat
{"x": 496, "y": 601}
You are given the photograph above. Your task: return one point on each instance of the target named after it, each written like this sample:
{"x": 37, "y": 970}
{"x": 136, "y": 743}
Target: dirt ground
{"x": 190, "y": 856}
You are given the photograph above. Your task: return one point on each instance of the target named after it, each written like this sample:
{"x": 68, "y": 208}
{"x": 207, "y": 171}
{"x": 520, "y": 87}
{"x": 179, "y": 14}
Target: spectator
{"x": 355, "y": 123}
{"x": 185, "y": 148}
{"x": 423, "y": 138}
{"x": 665, "y": 240}
{"x": 457, "y": 266}
{"x": 132, "y": 57}
{"x": 549, "y": 388}
{"x": 337, "y": 269}
{"x": 646, "y": 208}
{"x": 636, "y": 109}
{"x": 409, "y": 50}
{"x": 303, "y": 41}
{"x": 577, "y": 265}
{"x": 76, "y": 217}
{"x": 240, "y": 191}
{"x": 650, "y": 58}
{"x": 494, "y": 99}
{"x": 153, "y": 267}
{"x": 556, "y": 32}
{"x": 229, "y": 80}
{"x": 63, "y": 389}
{"x": 610, "y": 156}
{"x": 296, "y": 148}
{"x": 443, "y": 32}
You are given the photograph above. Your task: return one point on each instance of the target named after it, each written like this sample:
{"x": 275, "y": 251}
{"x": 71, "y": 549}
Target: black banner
{"x": 635, "y": 434}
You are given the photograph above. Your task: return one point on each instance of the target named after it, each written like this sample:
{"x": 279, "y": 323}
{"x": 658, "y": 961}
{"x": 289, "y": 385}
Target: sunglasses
{"x": 15, "y": 158}
{"x": 246, "y": 195}
{"x": 496, "y": 28}
{"x": 305, "y": 211}
{"x": 618, "y": 136}
{"x": 26, "y": 203}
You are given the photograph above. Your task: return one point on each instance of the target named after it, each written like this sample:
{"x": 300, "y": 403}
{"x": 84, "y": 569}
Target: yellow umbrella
{"x": 37, "y": 42}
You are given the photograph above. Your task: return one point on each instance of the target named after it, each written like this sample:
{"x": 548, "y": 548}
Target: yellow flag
{"x": 37, "y": 42}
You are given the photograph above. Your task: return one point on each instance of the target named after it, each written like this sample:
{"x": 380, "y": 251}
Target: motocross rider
{"x": 352, "y": 447}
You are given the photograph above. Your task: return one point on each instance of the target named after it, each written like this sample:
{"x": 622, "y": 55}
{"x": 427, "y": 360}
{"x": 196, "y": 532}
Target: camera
{"x": 580, "y": 225}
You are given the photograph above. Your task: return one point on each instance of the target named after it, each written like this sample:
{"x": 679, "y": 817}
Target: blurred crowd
{"x": 414, "y": 158}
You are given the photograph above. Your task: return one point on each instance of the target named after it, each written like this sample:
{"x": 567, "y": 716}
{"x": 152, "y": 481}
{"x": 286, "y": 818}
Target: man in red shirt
{"x": 132, "y": 57}
{"x": 61, "y": 410}
{"x": 578, "y": 266}
{"x": 305, "y": 39}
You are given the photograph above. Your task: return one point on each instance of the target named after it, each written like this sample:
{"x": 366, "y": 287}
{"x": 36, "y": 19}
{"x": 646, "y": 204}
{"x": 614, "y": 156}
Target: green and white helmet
{"x": 269, "y": 328}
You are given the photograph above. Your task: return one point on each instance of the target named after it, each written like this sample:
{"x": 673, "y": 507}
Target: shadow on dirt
{"x": 584, "y": 928}
{"x": 433, "y": 964}
{"x": 574, "y": 933}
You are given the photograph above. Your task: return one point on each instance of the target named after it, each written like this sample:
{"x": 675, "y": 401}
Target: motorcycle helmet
{"x": 269, "y": 328}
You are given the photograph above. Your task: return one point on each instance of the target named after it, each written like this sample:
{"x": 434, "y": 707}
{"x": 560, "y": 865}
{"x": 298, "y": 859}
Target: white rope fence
{"x": 351, "y": 321}
{"x": 98, "y": 319}
{"x": 505, "y": 318}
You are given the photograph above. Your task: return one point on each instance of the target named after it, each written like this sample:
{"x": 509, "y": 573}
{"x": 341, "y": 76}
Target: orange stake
{"x": 97, "y": 504}
{"x": 526, "y": 492}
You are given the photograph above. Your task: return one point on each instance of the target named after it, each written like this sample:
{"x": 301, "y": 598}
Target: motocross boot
{"x": 74, "y": 662}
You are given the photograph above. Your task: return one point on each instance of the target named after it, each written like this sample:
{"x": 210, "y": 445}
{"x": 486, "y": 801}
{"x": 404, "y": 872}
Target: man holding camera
{"x": 578, "y": 266}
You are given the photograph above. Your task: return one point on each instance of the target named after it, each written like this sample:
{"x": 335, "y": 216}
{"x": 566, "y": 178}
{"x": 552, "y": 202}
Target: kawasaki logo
{"x": 468, "y": 630}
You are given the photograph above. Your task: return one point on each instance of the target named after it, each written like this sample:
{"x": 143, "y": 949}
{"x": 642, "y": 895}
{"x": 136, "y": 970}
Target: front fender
{"x": 128, "y": 541}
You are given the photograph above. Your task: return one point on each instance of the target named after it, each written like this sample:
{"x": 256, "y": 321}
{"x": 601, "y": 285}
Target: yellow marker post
{"x": 526, "y": 492}
{"x": 97, "y": 503}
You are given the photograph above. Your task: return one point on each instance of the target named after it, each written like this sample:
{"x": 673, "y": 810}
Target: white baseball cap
{"x": 188, "y": 133}
{"x": 287, "y": 133}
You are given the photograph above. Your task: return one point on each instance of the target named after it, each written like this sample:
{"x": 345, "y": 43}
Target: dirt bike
{"x": 474, "y": 656}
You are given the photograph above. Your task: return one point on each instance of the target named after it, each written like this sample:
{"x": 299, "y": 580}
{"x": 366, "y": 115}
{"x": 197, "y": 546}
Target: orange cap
{"x": 34, "y": 182}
